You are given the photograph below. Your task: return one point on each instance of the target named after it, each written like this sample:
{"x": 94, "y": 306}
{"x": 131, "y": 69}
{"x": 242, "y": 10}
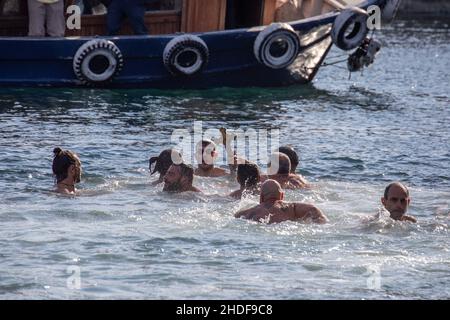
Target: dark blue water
{"x": 129, "y": 240}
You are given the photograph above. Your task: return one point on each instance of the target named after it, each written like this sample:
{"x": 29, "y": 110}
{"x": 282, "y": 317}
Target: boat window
{"x": 244, "y": 13}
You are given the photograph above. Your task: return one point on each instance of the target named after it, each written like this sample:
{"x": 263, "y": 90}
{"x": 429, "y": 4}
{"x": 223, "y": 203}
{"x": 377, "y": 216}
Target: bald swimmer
{"x": 396, "y": 200}
{"x": 273, "y": 209}
{"x": 282, "y": 173}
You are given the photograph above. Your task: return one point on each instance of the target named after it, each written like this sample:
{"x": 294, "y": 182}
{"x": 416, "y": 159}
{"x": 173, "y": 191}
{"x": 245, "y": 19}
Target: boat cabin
{"x": 172, "y": 16}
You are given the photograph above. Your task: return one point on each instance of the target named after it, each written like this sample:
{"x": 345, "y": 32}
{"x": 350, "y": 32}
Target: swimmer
{"x": 163, "y": 163}
{"x": 67, "y": 170}
{"x": 293, "y": 157}
{"x": 206, "y": 154}
{"x": 274, "y": 209}
{"x": 396, "y": 201}
{"x": 282, "y": 173}
{"x": 248, "y": 177}
{"x": 179, "y": 178}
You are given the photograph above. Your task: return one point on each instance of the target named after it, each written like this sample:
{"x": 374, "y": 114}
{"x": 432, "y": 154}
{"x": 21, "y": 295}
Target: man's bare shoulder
{"x": 199, "y": 172}
{"x": 214, "y": 173}
{"x": 296, "y": 182}
{"x": 219, "y": 172}
{"x": 306, "y": 211}
{"x": 64, "y": 191}
{"x": 409, "y": 219}
{"x": 300, "y": 179}
{"x": 247, "y": 213}
{"x": 282, "y": 179}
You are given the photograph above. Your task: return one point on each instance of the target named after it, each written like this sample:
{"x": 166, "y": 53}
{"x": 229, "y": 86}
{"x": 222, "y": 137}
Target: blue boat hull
{"x": 49, "y": 61}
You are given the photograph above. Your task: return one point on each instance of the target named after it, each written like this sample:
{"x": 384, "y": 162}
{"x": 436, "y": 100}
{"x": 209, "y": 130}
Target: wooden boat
{"x": 192, "y": 44}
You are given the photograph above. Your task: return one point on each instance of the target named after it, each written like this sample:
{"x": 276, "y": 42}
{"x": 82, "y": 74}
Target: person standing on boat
{"x": 46, "y": 13}
{"x": 134, "y": 10}
{"x": 67, "y": 170}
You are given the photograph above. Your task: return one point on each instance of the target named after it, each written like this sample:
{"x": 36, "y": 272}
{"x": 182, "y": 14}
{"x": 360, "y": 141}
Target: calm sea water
{"x": 127, "y": 239}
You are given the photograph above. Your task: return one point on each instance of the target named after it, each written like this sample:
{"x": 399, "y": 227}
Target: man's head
{"x": 178, "y": 178}
{"x": 271, "y": 191}
{"x": 279, "y": 164}
{"x": 293, "y": 156}
{"x": 206, "y": 153}
{"x": 248, "y": 175}
{"x": 66, "y": 164}
{"x": 163, "y": 162}
{"x": 396, "y": 199}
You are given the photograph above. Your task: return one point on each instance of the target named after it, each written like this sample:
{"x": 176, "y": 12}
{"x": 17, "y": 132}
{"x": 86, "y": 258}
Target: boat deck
{"x": 183, "y": 15}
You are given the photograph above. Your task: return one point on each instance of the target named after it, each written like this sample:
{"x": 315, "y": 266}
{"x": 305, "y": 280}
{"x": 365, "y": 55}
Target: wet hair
{"x": 163, "y": 161}
{"x": 386, "y": 191}
{"x": 62, "y": 160}
{"x": 248, "y": 175}
{"x": 292, "y": 154}
{"x": 186, "y": 170}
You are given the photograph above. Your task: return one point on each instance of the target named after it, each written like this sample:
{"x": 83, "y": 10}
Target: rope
{"x": 340, "y": 67}
{"x": 334, "y": 62}
{"x": 343, "y": 60}
{"x": 338, "y": 56}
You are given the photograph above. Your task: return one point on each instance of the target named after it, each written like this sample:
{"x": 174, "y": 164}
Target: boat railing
{"x": 187, "y": 16}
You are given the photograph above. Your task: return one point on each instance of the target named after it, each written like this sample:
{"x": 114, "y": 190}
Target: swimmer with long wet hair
{"x": 396, "y": 201}
{"x": 67, "y": 170}
{"x": 248, "y": 177}
{"x": 273, "y": 208}
{"x": 163, "y": 162}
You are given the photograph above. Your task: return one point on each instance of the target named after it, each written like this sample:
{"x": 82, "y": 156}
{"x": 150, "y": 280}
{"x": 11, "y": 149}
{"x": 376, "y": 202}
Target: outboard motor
{"x": 364, "y": 56}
